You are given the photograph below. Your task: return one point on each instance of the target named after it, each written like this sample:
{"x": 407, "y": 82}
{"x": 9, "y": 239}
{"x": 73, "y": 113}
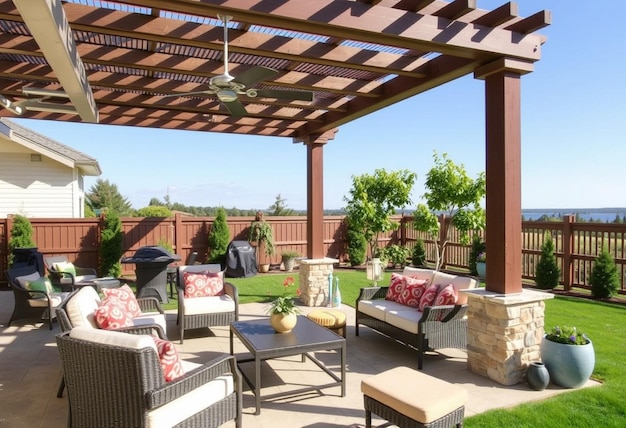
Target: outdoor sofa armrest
{"x": 231, "y": 290}
{"x": 443, "y": 313}
{"x": 372, "y": 293}
{"x": 150, "y": 304}
{"x": 226, "y": 364}
{"x": 148, "y": 329}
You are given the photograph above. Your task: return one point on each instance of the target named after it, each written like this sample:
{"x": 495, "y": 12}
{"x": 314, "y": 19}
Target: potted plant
{"x": 283, "y": 311}
{"x": 261, "y": 235}
{"x": 481, "y": 264}
{"x": 289, "y": 259}
{"x": 568, "y": 355}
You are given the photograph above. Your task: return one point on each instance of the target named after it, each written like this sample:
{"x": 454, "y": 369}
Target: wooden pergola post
{"x": 503, "y": 171}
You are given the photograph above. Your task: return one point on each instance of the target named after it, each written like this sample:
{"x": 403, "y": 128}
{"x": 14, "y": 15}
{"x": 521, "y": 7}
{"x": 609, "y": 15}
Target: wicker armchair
{"x": 120, "y": 383}
{"x": 67, "y": 281}
{"x": 31, "y": 304}
{"x": 198, "y": 312}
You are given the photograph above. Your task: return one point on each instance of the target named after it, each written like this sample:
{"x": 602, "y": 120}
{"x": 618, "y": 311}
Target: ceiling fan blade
{"x": 285, "y": 95}
{"x": 255, "y": 75}
{"x": 184, "y": 94}
{"x": 235, "y": 108}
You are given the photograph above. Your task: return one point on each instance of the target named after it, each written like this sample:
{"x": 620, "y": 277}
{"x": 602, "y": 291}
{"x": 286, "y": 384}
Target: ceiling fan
{"x": 227, "y": 88}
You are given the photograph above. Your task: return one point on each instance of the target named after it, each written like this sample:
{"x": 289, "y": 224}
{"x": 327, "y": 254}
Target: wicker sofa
{"x": 437, "y": 327}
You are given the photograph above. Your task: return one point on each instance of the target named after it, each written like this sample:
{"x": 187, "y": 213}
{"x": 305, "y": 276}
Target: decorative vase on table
{"x": 283, "y": 323}
{"x": 537, "y": 376}
{"x": 570, "y": 366}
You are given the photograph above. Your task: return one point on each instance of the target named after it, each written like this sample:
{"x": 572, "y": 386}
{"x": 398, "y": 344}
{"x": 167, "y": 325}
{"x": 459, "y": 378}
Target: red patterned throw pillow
{"x": 429, "y": 296}
{"x": 412, "y": 291}
{"x": 395, "y": 287}
{"x": 202, "y": 284}
{"x": 447, "y": 296}
{"x": 126, "y": 296}
{"x": 112, "y": 315}
{"x": 168, "y": 357}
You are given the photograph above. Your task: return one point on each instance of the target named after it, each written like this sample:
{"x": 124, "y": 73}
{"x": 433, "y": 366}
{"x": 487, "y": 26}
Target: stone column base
{"x": 314, "y": 281}
{"x": 504, "y": 333}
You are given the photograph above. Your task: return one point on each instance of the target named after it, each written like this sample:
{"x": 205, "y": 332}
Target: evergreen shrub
{"x": 604, "y": 279}
{"x": 548, "y": 273}
{"x": 219, "y": 237}
{"x": 111, "y": 240}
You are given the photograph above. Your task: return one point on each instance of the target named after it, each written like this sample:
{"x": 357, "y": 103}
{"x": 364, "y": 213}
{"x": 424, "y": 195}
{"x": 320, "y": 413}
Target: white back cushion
{"x": 419, "y": 273}
{"x": 458, "y": 282}
{"x": 82, "y": 307}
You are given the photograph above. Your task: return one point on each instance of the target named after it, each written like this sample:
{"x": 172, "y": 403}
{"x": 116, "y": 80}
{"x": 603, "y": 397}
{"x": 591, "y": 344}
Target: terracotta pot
{"x": 264, "y": 267}
{"x": 283, "y": 323}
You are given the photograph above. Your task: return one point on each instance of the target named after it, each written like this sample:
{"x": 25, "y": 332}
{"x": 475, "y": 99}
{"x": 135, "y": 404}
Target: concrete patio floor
{"x": 30, "y": 375}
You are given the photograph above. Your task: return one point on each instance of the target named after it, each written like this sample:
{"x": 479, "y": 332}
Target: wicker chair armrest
{"x": 443, "y": 313}
{"x": 231, "y": 290}
{"x": 372, "y": 293}
{"x": 226, "y": 364}
{"x": 148, "y": 329}
{"x": 150, "y": 304}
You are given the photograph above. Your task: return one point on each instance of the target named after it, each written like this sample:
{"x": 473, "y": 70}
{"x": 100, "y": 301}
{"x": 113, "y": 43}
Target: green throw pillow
{"x": 66, "y": 267}
{"x": 41, "y": 284}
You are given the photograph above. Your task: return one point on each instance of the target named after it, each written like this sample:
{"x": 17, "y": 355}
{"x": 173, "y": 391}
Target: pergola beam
{"x": 48, "y": 24}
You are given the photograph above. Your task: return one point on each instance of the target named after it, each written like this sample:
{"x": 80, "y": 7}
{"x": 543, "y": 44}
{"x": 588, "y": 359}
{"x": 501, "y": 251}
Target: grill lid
{"x": 151, "y": 254}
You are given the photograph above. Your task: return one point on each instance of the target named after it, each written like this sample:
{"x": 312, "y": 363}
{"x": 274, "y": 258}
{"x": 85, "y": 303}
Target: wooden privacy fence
{"x": 576, "y": 244}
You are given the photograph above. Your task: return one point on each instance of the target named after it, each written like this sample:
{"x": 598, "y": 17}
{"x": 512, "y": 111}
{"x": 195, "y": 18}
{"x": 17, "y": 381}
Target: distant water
{"x": 604, "y": 217}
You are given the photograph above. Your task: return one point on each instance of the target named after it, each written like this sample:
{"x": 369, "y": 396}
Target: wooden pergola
{"x": 124, "y": 63}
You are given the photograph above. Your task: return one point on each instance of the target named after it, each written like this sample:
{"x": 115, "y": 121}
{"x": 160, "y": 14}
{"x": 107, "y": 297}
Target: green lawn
{"x": 605, "y": 324}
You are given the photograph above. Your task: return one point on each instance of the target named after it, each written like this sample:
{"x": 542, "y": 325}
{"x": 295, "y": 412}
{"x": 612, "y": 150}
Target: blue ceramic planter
{"x": 481, "y": 269}
{"x": 570, "y": 366}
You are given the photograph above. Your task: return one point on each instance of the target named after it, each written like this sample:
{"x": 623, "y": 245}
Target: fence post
{"x": 178, "y": 237}
{"x": 403, "y": 231}
{"x": 568, "y": 245}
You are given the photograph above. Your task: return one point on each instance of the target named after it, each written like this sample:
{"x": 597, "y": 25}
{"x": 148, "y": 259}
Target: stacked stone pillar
{"x": 504, "y": 333}
{"x": 314, "y": 290}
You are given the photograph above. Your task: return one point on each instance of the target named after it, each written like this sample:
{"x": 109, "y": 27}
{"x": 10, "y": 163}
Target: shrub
{"x": 604, "y": 279}
{"x": 219, "y": 237}
{"x": 548, "y": 273}
{"x": 418, "y": 257}
{"x": 357, "y": 246}
{"x": 395, "y": 254}
{"x": 153, "y": 211}
{"x": 21, "y": 235}
{"x": 111, "y": 239}
{"x": 478, "y": 246}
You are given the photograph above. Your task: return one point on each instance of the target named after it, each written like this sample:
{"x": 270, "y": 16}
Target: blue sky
{"x": 573, "y": 134}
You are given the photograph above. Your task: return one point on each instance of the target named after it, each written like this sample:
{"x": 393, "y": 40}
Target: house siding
{"x": 36, "y": 189}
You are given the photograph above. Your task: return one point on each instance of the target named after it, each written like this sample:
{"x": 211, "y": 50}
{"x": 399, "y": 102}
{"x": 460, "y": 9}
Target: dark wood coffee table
{"x": 264, "y": 343}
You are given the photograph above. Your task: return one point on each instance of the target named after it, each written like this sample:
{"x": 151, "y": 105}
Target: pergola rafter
{"x": 136, "y": 59}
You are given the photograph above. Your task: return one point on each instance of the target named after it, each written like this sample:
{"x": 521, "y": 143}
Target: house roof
{"x": 49, "y": 147}
{"x": 131, "y": 63}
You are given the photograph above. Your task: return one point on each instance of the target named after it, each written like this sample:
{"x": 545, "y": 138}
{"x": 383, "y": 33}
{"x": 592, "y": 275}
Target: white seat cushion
{"x": 151, "y": 318}
{"x": 191, "y": 403}
{"x": 208, "y": 305}
{"x": 82, "y": 307}
{"x": 378, "y": 308}
{"x": 55, "y": 300}
{"x": 406, "y": 320}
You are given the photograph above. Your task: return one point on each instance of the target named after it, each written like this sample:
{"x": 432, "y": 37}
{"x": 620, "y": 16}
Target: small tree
{"x": 21, "y": 235}
{"x": 219, "y": 237}
{"x": 452, "y": 192}
{"x": 261, "y": 234}
{"x": 604, "y": 279}
{"x": 106, "y": 195}
{"x": 111, "y": 239}
{"x": 418, "y": 257}
{"x": 357, "y": 246}
{"x": 374, "y": 199}
{"x": 478, "y": 246}
{"x": 279, "y": 207}
{"x": 548, "y": 274}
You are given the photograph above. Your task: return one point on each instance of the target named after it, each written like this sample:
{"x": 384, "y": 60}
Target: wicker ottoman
{"x": 333, "y": 319}
{"x": 409, "y": 398}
